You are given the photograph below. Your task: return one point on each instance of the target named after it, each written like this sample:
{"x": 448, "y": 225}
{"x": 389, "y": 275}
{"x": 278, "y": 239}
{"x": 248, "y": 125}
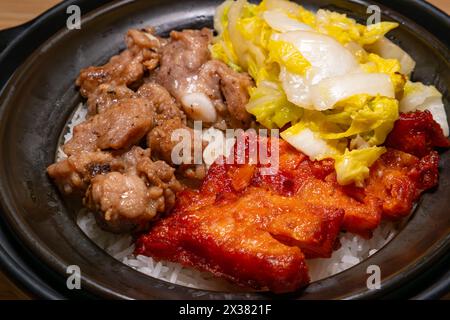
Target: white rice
{"x": 121, "y": 247}
{"x": 78, "y": 116}
{"x": 353, "y": 250}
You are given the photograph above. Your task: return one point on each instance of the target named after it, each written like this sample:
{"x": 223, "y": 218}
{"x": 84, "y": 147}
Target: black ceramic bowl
{"x": 40, "y": 238}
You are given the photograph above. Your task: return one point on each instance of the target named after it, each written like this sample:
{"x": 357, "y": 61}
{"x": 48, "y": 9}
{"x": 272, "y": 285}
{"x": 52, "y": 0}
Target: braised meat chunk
{"x": 127, "y": 200}
{"x": 128, "y": 67}
{"x": 227, "y": 89}
{"x": 121, "y": 201}
{"x": 162, "y": 140}
{"x": 119, "y": 127}
{"x": 181, "y": 59}
{"x": 107, "y": 95}
{"x": 74, "y": 174}
{"x": 207, "y": 89}
{"x": 164, "y": 105}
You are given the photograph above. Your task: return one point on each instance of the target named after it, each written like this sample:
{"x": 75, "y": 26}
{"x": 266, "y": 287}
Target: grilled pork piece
{"x": 227, "y": 89}
{"x": 105, "y": 96}
{"x": 181, "y": 59}
{"x": 73, "y": 175}
{"x": 247, "y": 227}
{"x": 127, "y": 68}
{"x": 164, "y": 105}
{"x": 207, "y": 89}
{"x": 119, "y": 127}
{"x": 125, "y": 189}
{"x": 126, "y": 201}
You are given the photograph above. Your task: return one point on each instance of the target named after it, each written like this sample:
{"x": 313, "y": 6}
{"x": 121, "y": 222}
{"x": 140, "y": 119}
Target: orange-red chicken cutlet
{"x": 257, "y": 229}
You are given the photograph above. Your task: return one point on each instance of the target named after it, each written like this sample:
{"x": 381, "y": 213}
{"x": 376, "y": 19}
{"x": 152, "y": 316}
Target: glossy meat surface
{"x": 186, "y": 68}
{"x": 125, "y": 190}
{"x": 126, "y": 68}
{"x": 399, "y": 178}
{"x": 73, "y": 175}
{"x": 119, "y": 127}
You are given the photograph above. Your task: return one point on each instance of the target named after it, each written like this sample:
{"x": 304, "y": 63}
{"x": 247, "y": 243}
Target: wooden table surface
{"x": 16, "y": 12}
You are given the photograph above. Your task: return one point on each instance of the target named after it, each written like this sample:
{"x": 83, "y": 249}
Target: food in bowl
{"x": 355, "y": 152}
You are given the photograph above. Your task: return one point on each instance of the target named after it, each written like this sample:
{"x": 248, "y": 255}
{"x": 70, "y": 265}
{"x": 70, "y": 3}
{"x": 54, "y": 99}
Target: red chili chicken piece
{"x": 256, "y": 229}
{"x": 417, "y": 133}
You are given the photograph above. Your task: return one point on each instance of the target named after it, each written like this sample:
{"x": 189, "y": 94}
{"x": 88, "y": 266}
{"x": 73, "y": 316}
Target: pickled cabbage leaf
{"x": 353, "y": 166}
{"x": 268, "y": 103}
